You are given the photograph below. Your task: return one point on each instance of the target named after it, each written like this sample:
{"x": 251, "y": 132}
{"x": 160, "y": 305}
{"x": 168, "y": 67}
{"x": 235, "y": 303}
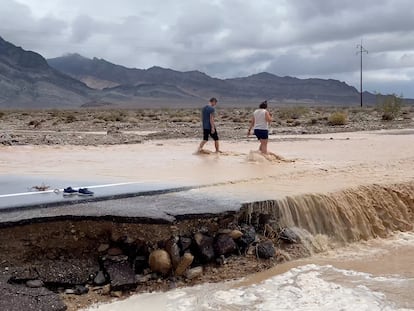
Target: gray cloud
{"x": 227, "y": 38}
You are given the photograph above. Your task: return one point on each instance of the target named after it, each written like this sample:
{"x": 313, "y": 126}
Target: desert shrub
{"x": 112, "y": 116}
{"x": 2, "y": 114}
{"x": 292, "y": 112}
{"x": 389, "y": 106}
{"x": 35, "y": 123}
{"x": 313, "y": 121}
{"x": 338, "y": 118}
{"x": 70, "y": 118}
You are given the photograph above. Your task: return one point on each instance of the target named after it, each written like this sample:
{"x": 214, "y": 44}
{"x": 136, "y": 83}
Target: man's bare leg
{"x": 216, "y": 145}
{"x": 200, "y": 148}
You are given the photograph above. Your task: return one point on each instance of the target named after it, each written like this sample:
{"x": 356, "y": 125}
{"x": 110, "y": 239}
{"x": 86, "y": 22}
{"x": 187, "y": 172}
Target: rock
{"x": 81, "y": 290}
{"x": 289, "y": 236}
{"x": 103, "y": 248}
{"x": 248, "y": 237}
{"x": 113, "y": 130}
{"x": 106, "y": 290}
{"x": 194, "y": 273}
{"x": 66, "y": 272}
{"x": 141, "y": 263}
{"x": 116, "y": 294}
{"x": 143, "y": 278}
{"x": 266, "y": 249}
{"x": 35, "y": 283}
{"x": 221, "y": 260}
{"x": 118, "y": 258}
{"x": 185, "y": 262}
{"x": 115, "y": 236}
{"x": 224, "y": 231}
{"x": 173, "y": 250}
{"x": 78, "y": 290}
{"x": 21, "y": 275}
{"x": 160, "y": 261}
{"x": 114, "y": 251}
{"x": 224, "y": 245}
{"x": 121, "y": 275}
{"x": 236, "y": 234}
{"x": 204, "y": 245}
{"x": 99, "y": 279}
{"x": 264, "y": 219}
{"x": 185, "y": 243}
{"x": 6, "y": 139}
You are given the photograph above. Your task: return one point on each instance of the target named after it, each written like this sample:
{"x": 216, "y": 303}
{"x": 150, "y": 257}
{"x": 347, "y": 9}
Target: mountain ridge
{"x": 198, "y": 84}
{"x": 27, "y": 80}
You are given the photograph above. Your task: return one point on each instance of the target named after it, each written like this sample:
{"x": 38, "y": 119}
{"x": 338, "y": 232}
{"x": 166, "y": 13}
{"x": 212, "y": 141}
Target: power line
{"x": 361, "y": 50}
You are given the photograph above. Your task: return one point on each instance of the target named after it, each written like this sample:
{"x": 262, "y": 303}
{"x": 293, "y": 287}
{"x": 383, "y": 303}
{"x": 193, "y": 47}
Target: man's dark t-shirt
{"x": 206, "y": 112}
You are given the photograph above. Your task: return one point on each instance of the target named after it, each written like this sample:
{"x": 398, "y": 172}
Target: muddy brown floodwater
{"x": 335, "y": 191}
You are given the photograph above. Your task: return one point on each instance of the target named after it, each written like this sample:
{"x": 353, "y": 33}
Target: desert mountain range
{"x": 27, "y": 80}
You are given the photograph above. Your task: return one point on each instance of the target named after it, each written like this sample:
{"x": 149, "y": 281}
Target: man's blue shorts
{"x": 261, "y": 134}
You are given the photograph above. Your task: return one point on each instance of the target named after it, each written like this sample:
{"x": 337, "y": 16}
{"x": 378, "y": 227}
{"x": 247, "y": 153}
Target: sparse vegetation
{"x": 70, "y": 118}
{"x": 389, "y": 106}
{"x": 232, "y": 123}
{"x": 292, "y": 112}
{"x": 338, "y": 118}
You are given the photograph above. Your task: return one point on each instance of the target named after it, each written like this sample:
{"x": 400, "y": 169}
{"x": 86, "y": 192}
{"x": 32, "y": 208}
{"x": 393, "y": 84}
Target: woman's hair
{"x": 263, "y": 105}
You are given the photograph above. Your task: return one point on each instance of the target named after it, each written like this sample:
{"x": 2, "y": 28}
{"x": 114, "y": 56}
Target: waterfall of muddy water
{"x": 347, "y": 216}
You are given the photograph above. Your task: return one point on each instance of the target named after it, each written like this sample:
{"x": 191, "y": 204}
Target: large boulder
{"x": 224, "y": 245}
{"x": 205, "y": 247}
{"x": 289, "y": 236}
{"x": 173, "y": 250}
{"x": 121, "y": 274}
{"x": 266, "y": 249}
{"x": 160, "y": 261}
{"x": 248, "y": 237}
{"x": 185, "y": 262}
{"x": 185, "y": 243}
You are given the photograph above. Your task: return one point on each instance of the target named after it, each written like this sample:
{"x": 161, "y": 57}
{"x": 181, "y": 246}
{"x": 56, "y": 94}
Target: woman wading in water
{"x": 260, "y": 122}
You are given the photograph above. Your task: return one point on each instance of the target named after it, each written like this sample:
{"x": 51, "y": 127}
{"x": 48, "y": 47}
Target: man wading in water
{"x": 260, "y": 122}
{"x": 209, "y": 127}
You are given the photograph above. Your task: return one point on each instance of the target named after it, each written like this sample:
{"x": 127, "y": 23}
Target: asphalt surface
{"x": 144, "y": 202}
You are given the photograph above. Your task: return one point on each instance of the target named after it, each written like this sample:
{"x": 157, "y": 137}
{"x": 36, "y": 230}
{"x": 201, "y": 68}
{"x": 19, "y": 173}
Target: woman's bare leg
{"x": 263, "y": 146}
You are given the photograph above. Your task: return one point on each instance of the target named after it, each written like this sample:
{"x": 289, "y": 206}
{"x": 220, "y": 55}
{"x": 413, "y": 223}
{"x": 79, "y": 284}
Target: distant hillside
{"x": 195, "y": 84}
{"x": 27, "y": 81}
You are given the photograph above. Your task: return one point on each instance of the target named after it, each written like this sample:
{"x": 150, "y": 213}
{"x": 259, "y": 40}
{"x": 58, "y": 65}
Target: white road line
{"x": 60, "y": 190}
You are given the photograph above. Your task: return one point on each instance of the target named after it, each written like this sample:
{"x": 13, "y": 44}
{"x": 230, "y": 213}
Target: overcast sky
{"x": 228, "y": 38}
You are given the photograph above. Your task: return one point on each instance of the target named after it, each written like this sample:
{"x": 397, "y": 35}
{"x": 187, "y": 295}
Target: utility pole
{"x": 361, "y": 50}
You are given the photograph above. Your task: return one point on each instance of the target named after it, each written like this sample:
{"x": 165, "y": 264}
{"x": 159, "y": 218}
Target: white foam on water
{"x": 305, "y": 288}
{"x": 372, "y": 248}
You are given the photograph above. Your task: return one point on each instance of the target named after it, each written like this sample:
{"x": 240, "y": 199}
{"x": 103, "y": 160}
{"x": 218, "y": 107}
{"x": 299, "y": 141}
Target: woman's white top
{"x": 260, "y": 122}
